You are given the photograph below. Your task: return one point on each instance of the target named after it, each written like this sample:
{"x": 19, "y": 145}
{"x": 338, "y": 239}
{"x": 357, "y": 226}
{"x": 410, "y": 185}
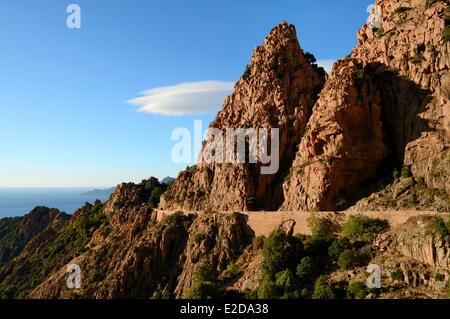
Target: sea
{"x": 20, "y": 201}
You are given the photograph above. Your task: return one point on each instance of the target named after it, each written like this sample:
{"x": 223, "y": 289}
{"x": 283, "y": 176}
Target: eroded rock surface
{"x": 277, "y": 90}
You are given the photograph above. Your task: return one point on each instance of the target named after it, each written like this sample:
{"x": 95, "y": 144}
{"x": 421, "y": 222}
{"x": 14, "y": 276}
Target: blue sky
{"x": 65, "y": 116}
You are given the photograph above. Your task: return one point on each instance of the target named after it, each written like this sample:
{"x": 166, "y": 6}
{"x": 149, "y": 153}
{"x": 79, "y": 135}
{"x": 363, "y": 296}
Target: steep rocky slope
{"x": 410, "y": 60}
{"x": 403, "y": 193}
{"x": 386, "y": 106}
{"x": 58, "y": 241}
{"x": 383, "y": 109}
{"x": 124, "y": 251}
{"x": 343, "y": 147}
{"x": 277, "y": 90}
{"x": 16, "y": 233}
{"x": 414, "y": 260}
{"x": 155, "y": 259}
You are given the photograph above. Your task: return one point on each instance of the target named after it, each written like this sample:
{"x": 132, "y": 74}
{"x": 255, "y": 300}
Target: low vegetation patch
{"x": 322, "y": 227}
{"x": 416, "y": 59}
{"x": 397, "y": 275}
{"x": 298, "y": 266}
{"x": 70, "y": 242}
{"x": 357, "y": 290}
{"x": 401, "y": 10}
{"x": 359, "y": 227}
{"x": 441, "y": 227}
{"x": 247, "y": 72}
{"x": 205, "y": 285}
{"x": 446, "y": 33}
{"x": 350, "y": 258}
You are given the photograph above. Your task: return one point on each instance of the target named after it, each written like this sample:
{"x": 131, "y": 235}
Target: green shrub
{"x": 304, "y": 293}
{"x": 359, "y": 227}
{"x": 205, "y": 273}
{"x": 267, "y": 288}
{"x": 441, "y": 228}
{"x": 247, "y": 72}
{"x": 310, "y": 58}
{"x": 439, "y": 277}
{"x": 231, "y": 273}
{"x": 251, "y": 294}
{"x": 395, "y": 174}
{"x": 406, "y": 172}
{"x": 323, "y": 290}
{"x": 198, "y": 238}
{"x": 155, "y": 197}
{"x": 10, "y": 244}
{"x": 401, "y": 9}
{"x": 202, "y": 290}
{"x": 379, "y": 32}
{"x": 397, "y": 275}
{"x": 286, "y": 281}
{"x": 321, "y": 227}
{"x": 433, "y": 52}
{"x": 306, "y": 269}
{"x": 420, "y": 182}
{"x": 357, "y": 290}
{"x": 359, "y": 75}
{"x": 280, "y": 252}
{"x": 205, "y": 284}
{"x": 317, "y": 248}
{"x": 152, "y": 191}
{"x": 338, "y": 246}
{"x": 446, "y": 33}
{"x": 173, "y": 218}
{"x": 416, "y": 59}
{"x": 431, "y": 2}
{"x": 191, "y": 169}
{"x": 349, "y": 259}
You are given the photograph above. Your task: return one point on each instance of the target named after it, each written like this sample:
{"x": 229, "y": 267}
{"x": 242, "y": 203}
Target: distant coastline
{"x": 20, "y": 201}
{"x": 99, "y": 192}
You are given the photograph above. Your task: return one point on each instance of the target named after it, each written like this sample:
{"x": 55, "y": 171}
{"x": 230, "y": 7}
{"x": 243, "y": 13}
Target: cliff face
{"x": 124, "y": 251}
{"x": 277, "y": 90}
{"x": 388, "y": 105}
{"x": 410, "y": 59}
{"x": 22, "y": 238}
{"x": 16, "y": 233}
{"x": 385, "y": 106}
{"x": 215, "y": 239}
{"x": 343, "y": 147}
{"x": 131, "y": 255}
{"x": 422, "y": 245}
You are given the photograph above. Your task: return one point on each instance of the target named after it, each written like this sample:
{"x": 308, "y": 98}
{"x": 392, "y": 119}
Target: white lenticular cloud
{"x": 191, "y": 98}
{"x": 326, "y": 64}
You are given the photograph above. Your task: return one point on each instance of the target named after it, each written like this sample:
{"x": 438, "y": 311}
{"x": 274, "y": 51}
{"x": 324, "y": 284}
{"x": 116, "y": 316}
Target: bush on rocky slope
{"x": 441, "y": 227}
{"x": 205, "y": 285}
{"x": 359, "y": 227}
{"x": 16, "y": 280}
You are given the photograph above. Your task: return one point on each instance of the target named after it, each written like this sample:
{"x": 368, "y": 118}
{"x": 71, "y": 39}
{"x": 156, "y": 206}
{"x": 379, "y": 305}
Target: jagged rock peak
{"x": 277, "y": 90}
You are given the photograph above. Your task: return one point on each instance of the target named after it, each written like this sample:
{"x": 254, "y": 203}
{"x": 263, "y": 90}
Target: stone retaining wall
{"x": 263, "y": 223}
